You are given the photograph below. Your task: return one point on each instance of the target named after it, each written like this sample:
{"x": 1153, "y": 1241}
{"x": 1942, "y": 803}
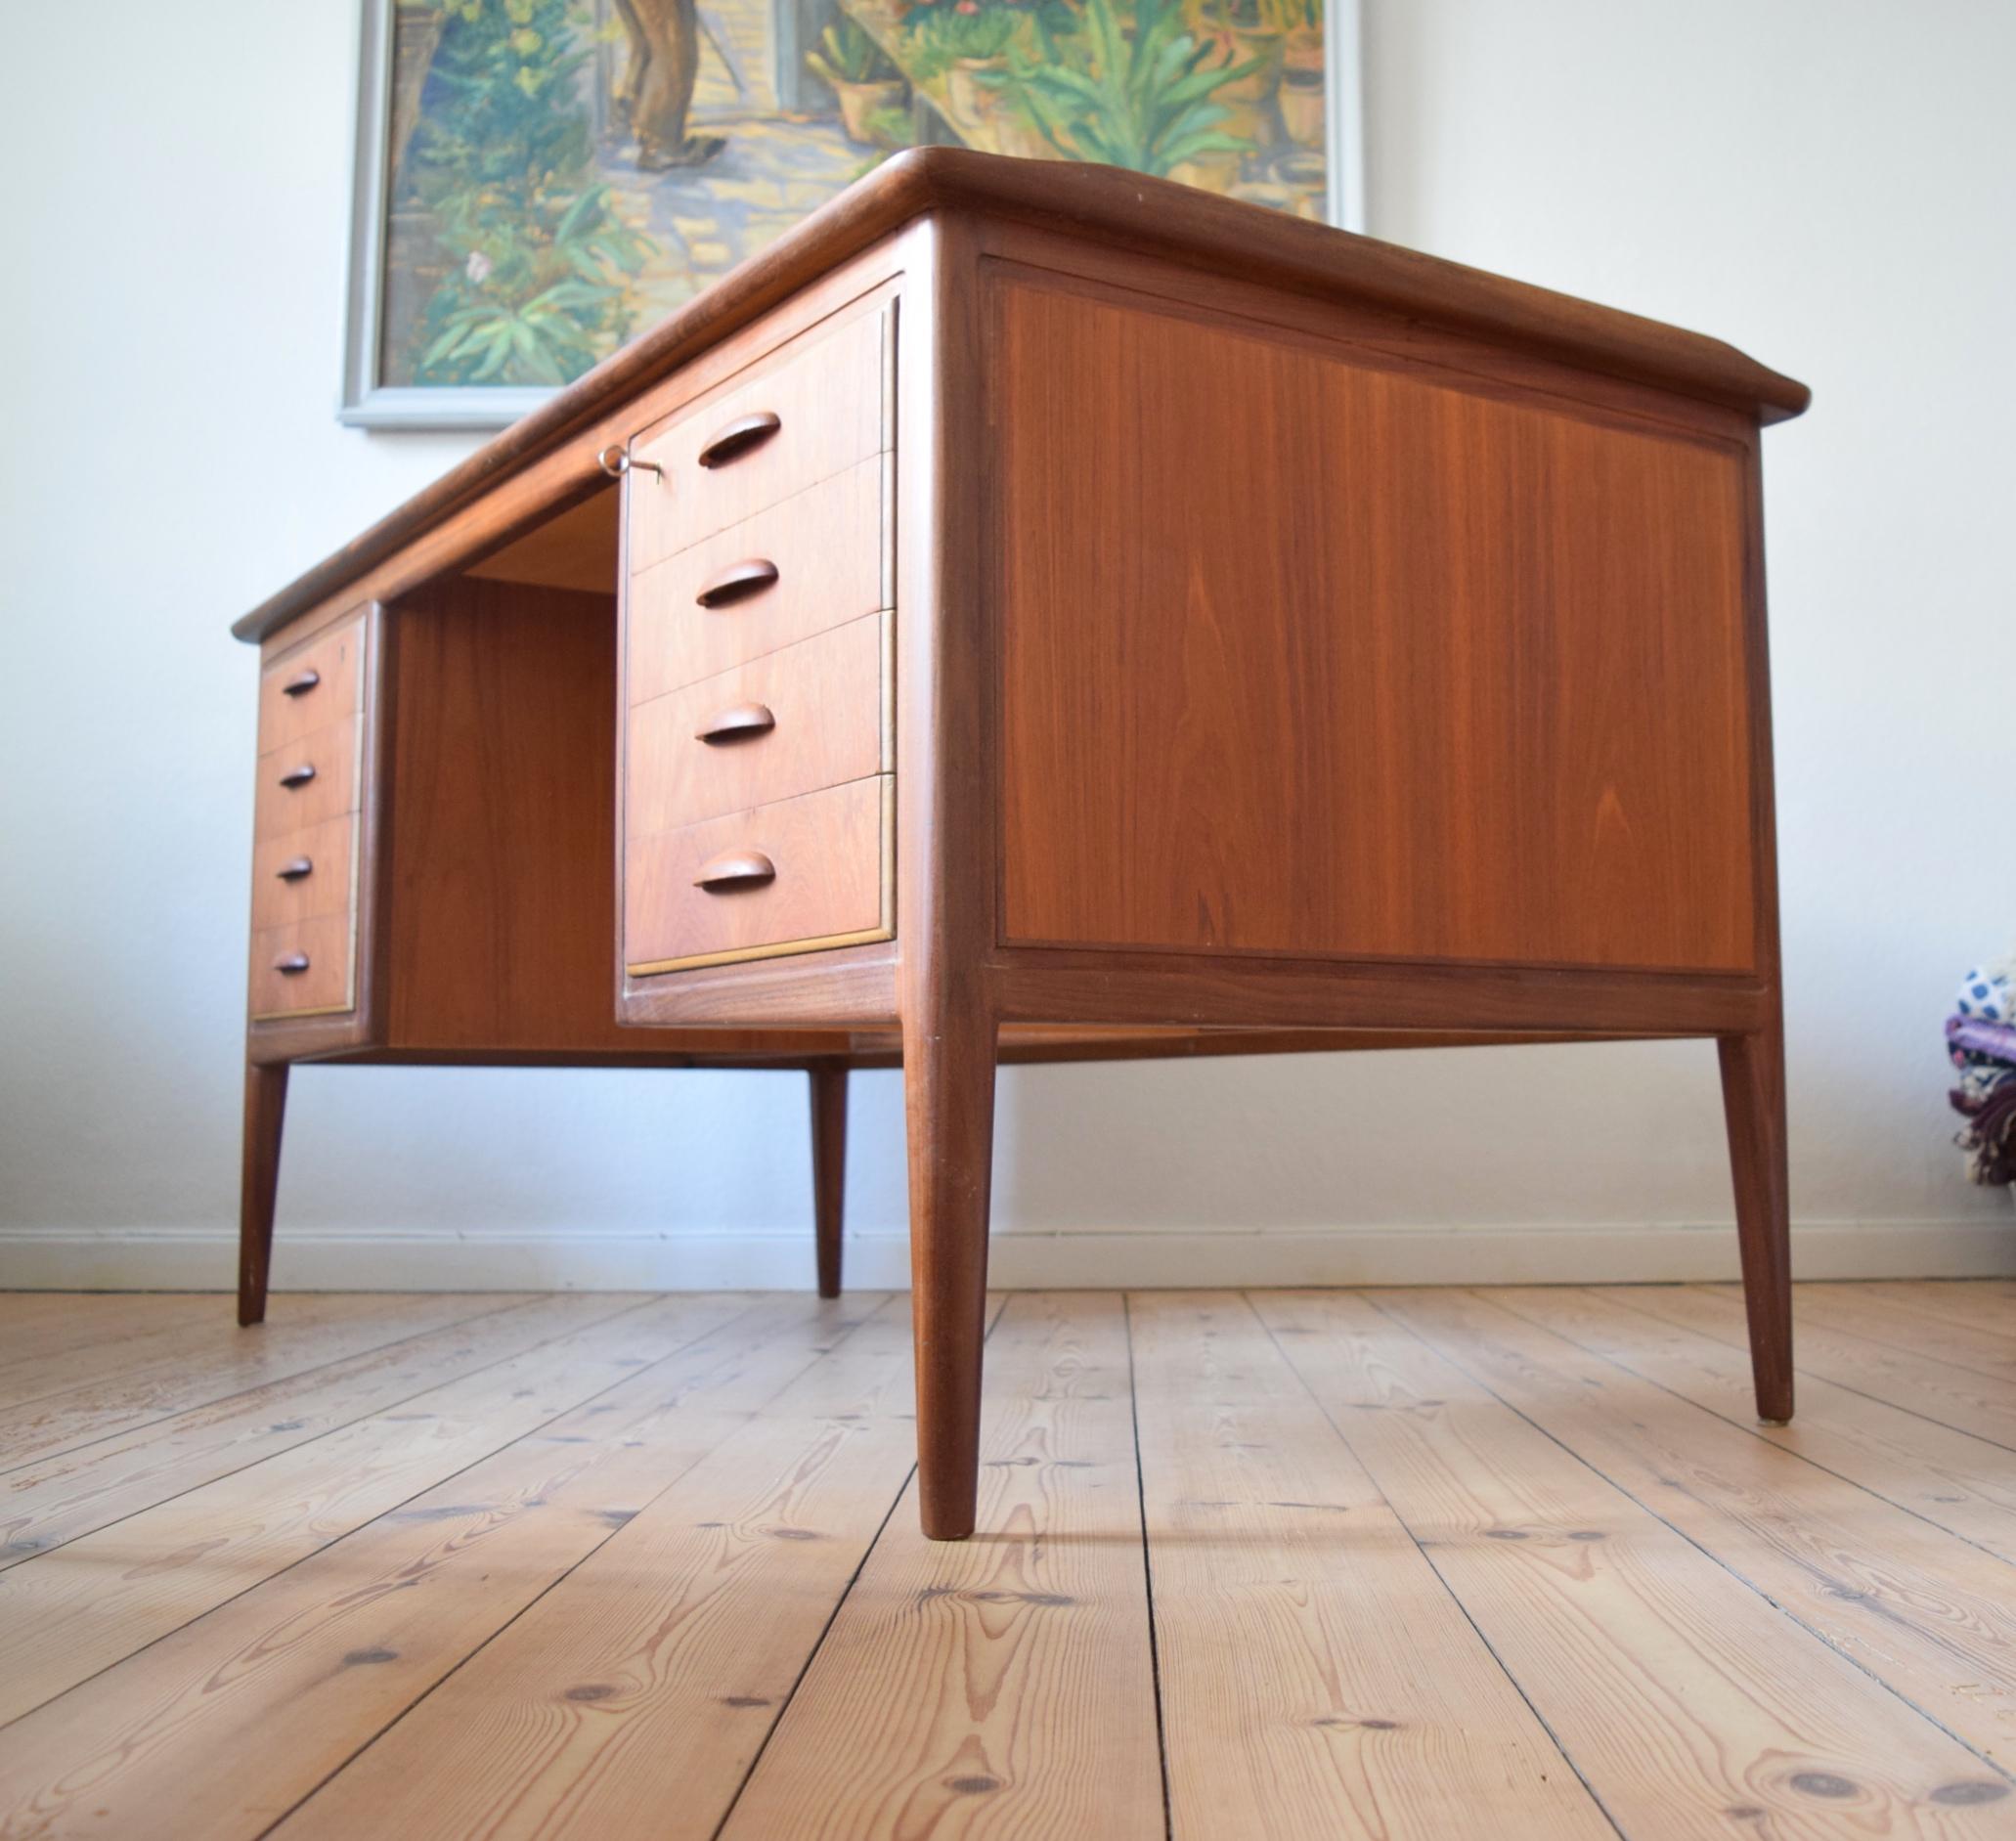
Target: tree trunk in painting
{"x": 658, "y": 87}
{"x": 416, "y": 31}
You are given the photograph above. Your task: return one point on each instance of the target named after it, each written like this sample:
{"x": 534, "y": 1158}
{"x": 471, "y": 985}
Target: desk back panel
{"x": 501, "y": 922}
{"x": 1304, "y": 652}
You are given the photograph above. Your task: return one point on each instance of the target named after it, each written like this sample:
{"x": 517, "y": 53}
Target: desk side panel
{"x": 1305, "y": 653}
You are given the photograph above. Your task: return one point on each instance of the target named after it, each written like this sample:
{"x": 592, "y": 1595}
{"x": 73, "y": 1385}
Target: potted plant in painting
{"x": 863, "y": 80}
{"x": 1249, "y": 39}
{"x": 966, "y": 41}
{"x": 1302, "y": 76}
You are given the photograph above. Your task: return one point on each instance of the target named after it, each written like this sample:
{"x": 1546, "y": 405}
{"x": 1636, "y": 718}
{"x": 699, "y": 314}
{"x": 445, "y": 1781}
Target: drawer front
{"x": 829, "y": 882}
{"x": 302, "y": 875}
{"x": 808, "y": 716}
{"x": 307, "y": 782}
{"x": 311, "y": 687}
{"x": 302, "y": 967}
{"x": 828, "y": 548}
{"x": 807, "y": 411}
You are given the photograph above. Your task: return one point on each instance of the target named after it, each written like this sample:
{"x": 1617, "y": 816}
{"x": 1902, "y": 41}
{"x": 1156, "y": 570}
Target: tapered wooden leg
{"x": 1753, "y": 1096}
{"x": 266, "y": 1105}
{"x": 829, "y": 1168}
{"x": 949, "y": 1097}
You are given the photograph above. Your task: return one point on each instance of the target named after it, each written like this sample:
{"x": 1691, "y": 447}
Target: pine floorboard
{"x": 1496, "y": 1561}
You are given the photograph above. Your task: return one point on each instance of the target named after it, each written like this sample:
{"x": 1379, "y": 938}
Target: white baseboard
{"x": 589, "y": 1259}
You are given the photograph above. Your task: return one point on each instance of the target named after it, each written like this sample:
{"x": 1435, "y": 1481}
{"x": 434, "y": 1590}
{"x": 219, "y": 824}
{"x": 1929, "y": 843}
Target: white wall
{"x": 1826, "y": 184}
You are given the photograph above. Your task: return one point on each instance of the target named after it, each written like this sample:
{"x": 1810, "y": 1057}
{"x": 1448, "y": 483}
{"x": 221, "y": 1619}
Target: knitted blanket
{"x": 1981, "y": 1038}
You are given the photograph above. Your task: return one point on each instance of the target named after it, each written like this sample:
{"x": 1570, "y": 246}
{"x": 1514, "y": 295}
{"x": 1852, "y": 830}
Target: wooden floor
{"x": 1438, "y": 1563}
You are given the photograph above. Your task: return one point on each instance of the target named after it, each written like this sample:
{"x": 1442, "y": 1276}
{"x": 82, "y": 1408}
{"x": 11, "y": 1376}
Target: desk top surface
{"x": 1113, "y": 208}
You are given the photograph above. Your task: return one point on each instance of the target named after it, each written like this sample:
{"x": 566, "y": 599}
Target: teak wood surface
{"x": 1050, "y": 614}
{"x": 1504, "y": 1562}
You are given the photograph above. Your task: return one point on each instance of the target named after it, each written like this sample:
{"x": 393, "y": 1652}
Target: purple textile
{"x": 1997, "y": 1039}
{"x": 1991, "y": 1135}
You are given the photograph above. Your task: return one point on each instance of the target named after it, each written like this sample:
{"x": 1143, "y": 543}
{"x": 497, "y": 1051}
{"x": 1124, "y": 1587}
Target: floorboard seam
{"x": 1154, "y": 1666}
{"x": 1845, "y": 1385}
{"x": 1749, "y": 1585}
{"x": 327, "y": 1431}
{"x": 811, "y": 1655}
{"x": 553, "y": 1584}
{"x": 393, "y": 1510}
{"x": 1729, "y": 1419}
{"x": 196, "y": 1406}
{"x": 1490, "y": 1649}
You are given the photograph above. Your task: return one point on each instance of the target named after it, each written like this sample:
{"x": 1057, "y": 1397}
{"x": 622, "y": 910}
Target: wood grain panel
{"x": 828, "y": 546}
{"x": 997, "y": 1686}
{"x": 825, "y": 699}
{"x": 332, "y": 752}
{"x": 502, "y": 916}
{"x": 827, "y": 390}
{"x": 827, "y": 849}
{"x": 329, "y": 848}
{"x": 1318, "y": 1680}
{"x": 1382, "y": 667}
{"x": 334, "y": 659}
{"x": 1671, "y": 1684}
{"x": 578, "y": 549}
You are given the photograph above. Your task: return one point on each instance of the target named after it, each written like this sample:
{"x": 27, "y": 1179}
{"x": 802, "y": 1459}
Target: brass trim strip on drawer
{"x": 779, "y": 949}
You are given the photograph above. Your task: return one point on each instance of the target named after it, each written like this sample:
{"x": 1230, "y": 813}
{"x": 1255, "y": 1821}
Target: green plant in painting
{"x": 541, "y": 264}
{"x": 1290, "y": 16}
{"x": 1140, "y": 100}
{"x": 848, "y": 54}
{"x": 944, "y": 32}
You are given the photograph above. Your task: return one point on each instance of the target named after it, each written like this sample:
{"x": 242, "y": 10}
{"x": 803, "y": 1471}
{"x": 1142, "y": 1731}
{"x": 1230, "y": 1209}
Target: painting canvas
{"x": 540, "y": 180}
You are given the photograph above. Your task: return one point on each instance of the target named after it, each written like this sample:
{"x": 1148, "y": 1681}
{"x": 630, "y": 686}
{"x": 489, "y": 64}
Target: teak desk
{"x": 1034, "y": 611}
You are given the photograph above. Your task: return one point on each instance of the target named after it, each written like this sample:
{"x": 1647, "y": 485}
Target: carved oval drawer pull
{"x": 301, "y": 686}
{"x": 739, "y": 436}
{"x": 736, "y": 869}
{"x": 744, "y": 722}
{"x": 738, "y": 582}
{"x": 293, "y": 966}
{"x": 295, "y": 870}
{"x": 297, "y": 776}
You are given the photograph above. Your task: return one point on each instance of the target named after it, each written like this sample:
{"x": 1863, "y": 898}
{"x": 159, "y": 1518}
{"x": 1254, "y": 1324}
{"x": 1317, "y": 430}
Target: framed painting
{"x": 540, "y": 180}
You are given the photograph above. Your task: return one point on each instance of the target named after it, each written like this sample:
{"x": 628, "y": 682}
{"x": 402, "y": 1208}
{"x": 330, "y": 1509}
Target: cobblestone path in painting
{"x": 774, "y": 170}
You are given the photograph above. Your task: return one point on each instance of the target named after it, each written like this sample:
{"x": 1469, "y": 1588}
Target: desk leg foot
{"x": 948, "y": 1099}
{"x": 1753, "y": 1097}
{"x": 829, "y": 1168}
{"x": 266, "y": 1105}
